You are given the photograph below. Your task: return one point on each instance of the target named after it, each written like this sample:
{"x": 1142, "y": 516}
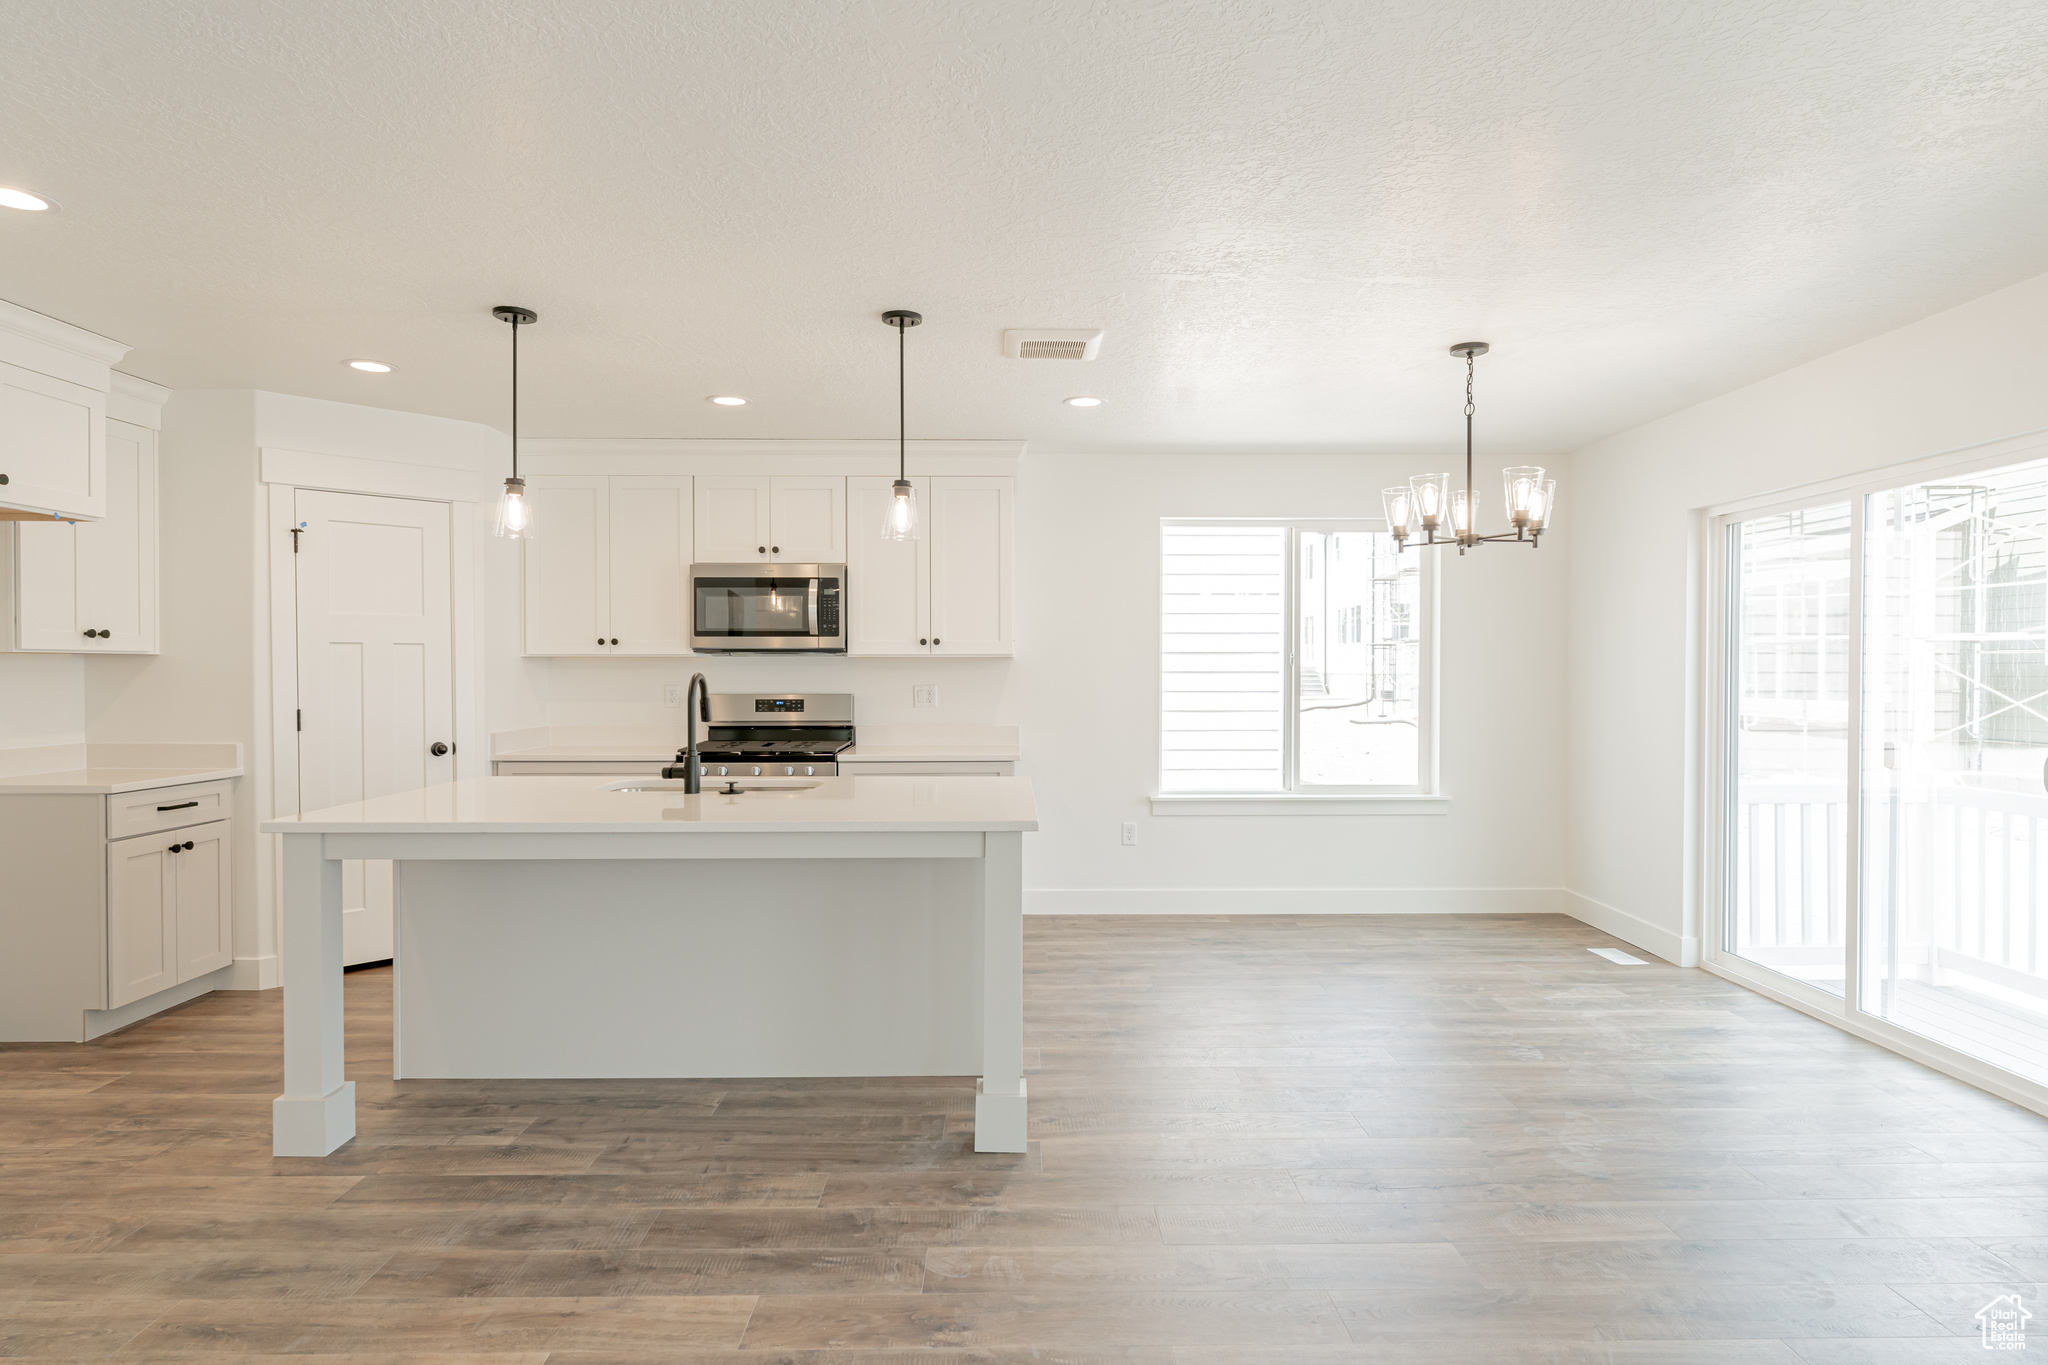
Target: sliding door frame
{"x": 1716, "y": 573}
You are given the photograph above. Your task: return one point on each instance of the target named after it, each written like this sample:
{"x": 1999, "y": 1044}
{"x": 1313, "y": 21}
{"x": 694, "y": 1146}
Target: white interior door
{"x": 376, "y": 686}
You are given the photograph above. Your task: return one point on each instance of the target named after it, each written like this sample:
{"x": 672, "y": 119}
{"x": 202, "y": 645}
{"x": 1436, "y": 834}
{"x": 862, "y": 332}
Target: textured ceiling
{"x": 1281, "y": 213}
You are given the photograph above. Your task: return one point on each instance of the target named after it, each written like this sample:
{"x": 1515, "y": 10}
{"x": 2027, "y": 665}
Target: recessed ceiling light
{"x": 727, "y": 400}
{"x": 370, "y": 366}
{"x": 1083, "y": 402}
{"x": 22, "y": 199}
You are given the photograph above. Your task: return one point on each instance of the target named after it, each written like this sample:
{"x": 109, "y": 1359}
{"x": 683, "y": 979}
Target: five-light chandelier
{"x": 1429, "y": 503}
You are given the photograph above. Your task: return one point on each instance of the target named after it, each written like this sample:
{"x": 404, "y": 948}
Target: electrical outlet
{"x": 924, "y": 694}
{"x": 672, "y": 695}
{"x": 1130, "y": 834}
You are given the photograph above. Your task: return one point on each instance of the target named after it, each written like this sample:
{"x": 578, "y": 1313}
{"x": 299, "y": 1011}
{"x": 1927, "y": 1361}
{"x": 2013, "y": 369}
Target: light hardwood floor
{"x": 1256, "y": 1139}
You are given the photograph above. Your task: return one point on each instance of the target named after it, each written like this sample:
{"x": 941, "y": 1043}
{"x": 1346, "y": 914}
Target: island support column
{"x": 999, "y": 1120}
{"x": 317, "y": 1112}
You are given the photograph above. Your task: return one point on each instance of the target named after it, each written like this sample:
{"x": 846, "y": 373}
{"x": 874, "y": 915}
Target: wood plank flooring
{"x": 1256, "y": 1140}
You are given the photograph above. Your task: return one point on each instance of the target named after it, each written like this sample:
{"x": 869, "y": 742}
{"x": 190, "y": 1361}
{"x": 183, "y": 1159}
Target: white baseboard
{"x": 253, "y": 974}
{"x": 1291, "y": 900}
{"x": 1651, "y": 938}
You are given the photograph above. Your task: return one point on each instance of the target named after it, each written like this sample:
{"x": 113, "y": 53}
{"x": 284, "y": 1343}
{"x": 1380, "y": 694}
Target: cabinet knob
{"x": 774, "y": 549}
{"x": 615, "y": 639}
{"x": 437, "y": 748}
{"x": 3, "y": 478}
{"x": 761, "y": 549}
{"x": 188, "y": 845}
{"x": 935, "y": 639}
{"x": 924, "y": 641}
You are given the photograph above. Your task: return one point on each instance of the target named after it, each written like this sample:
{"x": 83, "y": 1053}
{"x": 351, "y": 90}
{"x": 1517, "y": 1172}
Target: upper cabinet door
{"x": 95, "y": 576}
{"x": 650, "y": 564}
{"x": 117, "y": 555}
{"x": 204, "y": 902}
{"x": 887, "y": 600}
{"x": 568, "y": 566}
{"x": 53, "y": 444}
{"x": 968, "y": 524}
{"x": 734, "y": 518}
{"x": 807, "y": 524}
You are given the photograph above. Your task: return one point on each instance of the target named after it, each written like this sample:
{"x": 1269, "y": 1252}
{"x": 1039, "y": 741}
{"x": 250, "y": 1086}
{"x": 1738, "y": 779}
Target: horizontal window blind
{"x": 1224, "y": 641}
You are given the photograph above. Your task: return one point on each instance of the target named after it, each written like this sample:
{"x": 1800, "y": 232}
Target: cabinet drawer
{"x": 168, "y": 808}
{"x": 932, "y": 768}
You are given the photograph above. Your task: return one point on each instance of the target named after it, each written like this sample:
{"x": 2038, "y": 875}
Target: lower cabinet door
{"x": 142, "y": 931}
{"x": 204, "y": 904}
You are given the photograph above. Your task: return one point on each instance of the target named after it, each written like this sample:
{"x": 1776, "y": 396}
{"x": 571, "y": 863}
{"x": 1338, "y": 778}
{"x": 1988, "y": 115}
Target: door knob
{"x": 438, "y": 749}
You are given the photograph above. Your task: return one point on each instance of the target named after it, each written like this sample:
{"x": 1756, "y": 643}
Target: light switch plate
{"x": 924, "y": 694}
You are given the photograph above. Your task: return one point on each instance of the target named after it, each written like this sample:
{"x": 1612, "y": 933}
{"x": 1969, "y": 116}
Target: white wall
{"x": 1966, "y": 376}
{"x": 42, "y": 696}
{"x": 1084, "y": 690}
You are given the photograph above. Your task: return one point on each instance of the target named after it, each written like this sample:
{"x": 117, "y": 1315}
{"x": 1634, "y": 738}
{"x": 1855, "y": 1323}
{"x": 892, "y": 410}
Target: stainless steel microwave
{"x": 768, "y": 608}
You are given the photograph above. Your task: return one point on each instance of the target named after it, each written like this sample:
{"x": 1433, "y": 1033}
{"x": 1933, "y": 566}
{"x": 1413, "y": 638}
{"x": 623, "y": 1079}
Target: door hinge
{"x": 295, "y": 538}
{"x": 298, "y": 720}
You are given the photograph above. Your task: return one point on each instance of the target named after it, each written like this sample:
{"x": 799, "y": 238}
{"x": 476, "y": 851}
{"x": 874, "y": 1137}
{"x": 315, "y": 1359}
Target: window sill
{"x": 1299, "y": 803}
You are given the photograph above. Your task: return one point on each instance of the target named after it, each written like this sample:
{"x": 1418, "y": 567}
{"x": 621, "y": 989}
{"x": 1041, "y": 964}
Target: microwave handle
{"x": 811, "y": 610}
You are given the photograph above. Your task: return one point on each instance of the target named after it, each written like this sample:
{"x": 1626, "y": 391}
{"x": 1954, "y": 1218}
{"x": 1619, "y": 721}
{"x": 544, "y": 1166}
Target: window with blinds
{"x": 1223, "y": 641}
{"x": 1292, "y": 659}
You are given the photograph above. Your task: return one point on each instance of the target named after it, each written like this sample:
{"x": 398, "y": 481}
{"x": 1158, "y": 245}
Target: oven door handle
{"x": 811, "y": 610}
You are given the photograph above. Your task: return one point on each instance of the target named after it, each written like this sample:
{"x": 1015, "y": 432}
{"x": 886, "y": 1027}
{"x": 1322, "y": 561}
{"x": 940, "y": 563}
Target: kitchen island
{"x": 594, "y": 927}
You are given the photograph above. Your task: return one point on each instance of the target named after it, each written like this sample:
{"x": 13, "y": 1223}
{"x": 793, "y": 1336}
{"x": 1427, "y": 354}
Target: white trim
{"x": 99, "y": 1023}
{"x": 1291, "y": 900}
{"x": 379, "y": 478}
{"x": 136, "y": 401}
{"x": 253, "y": 973}
{"x": 26, "y": 322}
{"x": 2017, "y": 448}
{"x": 1298, "y": 803}
{"x": 671, "y": 455}
{"x": 1682, "y": 949}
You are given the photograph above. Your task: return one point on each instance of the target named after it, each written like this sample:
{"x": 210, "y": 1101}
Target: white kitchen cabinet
{"x": 568, "y": 566}
{"x": 116, "y": 906}
{"x": 53, "y": 450}
{"x": 607, "y": 568}
{"x": 169, "y": 915}
{"x": 888, "y": 582}
{"x": 90, "y": 587}
{"x": 947, "y": 593}
{"x": 789, "y": 518}
{"x": 970, "y": 523}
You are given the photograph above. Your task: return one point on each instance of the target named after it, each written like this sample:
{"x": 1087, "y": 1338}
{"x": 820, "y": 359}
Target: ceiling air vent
{"x": 1073, "y": 343}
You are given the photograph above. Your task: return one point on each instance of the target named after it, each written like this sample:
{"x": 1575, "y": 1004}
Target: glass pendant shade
{"x": 1543, "y": 505}
{"x": 1432, "y": 493}
{"x": 900, "y": 522}
{"x": 1400, "y": 505}
{"x": 1461, "y": 511}
{"x": 515, "y": 513}
{"x": 1523, "y": 484}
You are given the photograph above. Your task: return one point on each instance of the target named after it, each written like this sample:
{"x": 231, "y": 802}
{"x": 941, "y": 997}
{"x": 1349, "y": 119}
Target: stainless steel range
{"x": 775, "y": 734}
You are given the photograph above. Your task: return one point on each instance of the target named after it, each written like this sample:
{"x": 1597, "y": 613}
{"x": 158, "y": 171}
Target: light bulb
{"x": 1461, "y": 511}
{"x": 900, "y": 523}
{"x": 515, "y": 513}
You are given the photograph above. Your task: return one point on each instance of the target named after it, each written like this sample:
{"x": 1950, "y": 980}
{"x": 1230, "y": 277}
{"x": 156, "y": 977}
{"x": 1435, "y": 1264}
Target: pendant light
{"x": 1428, "y": 503}
{"x": 515, "y": 513}
{"x": 900, "y": 522}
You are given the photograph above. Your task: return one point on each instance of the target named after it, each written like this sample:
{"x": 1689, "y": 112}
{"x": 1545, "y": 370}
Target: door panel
{"x": 650, "y": 564}
{"x": 375, "y": 670}
{"x": 809, "y": 520}
{"x": 203, "y": 901}
{"x": 142, "y": 945}
{"x": 732, "y": 515}
{"x": 887, "y": 606}
{"x": 117, "y": 554}
{"x": 46, "y": 566}
{"x": 568, "y": 604}
{"x": 52, "y": 444}
{"x": 969, "y": 527}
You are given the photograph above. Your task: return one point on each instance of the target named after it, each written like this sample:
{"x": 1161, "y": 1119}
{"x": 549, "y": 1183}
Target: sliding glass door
{"x": 1882, "y": 826}
{"x": 1955, "y": 822}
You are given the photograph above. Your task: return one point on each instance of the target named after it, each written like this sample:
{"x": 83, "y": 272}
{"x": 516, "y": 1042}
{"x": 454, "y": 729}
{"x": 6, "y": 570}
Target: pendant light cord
{"x": 1471, "y": 513}
{"x": 902, "y": 461}
{"x": 515, "y": 396}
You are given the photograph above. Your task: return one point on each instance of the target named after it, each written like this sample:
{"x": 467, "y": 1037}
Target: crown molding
{"x": 26, "y": 322}
{"x": 727, "y": 446}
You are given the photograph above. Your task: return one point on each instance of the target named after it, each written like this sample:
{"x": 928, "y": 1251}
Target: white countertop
{"x": 110, "y": 769}
{"x": 542, "y": 805}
